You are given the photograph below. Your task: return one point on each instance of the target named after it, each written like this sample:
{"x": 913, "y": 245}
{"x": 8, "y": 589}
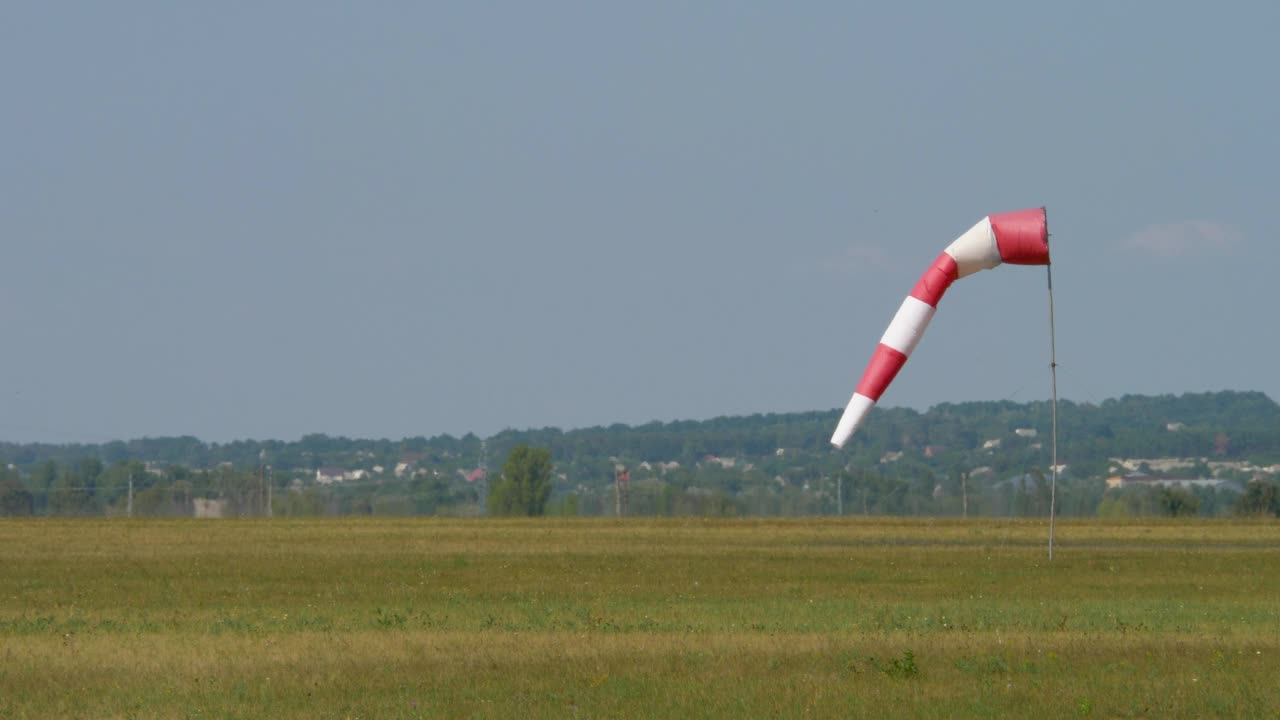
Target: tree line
{"x": 982, "y": 458}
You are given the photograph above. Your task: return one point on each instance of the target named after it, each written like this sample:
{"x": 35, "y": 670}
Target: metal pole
{"x": 269, "y": 511}
{"x": 1053, "y": 376}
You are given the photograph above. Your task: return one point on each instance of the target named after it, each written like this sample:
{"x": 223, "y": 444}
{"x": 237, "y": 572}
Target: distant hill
{"x": 1228, "y": 424}
{"x": 1202, "y": 453}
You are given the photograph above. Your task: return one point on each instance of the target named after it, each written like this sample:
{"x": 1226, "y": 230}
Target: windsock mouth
{"x": 1022, "y": 236}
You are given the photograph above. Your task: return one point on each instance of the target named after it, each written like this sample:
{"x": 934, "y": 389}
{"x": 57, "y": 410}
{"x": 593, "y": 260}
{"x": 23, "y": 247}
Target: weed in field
{"x": 389, "y": 619}
{"x": 903, "y": 667}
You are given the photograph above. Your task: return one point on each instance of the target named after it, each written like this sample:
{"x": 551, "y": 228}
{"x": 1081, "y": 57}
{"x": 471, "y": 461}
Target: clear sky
{"x": 260, "y": 220}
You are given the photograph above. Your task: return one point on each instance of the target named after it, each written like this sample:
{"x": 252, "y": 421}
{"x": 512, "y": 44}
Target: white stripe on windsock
{"x": 903, "y": 334}
{"x": 975, "y": 250}
{"x": 908, "y": 325}
{"x": 854, "y": 414}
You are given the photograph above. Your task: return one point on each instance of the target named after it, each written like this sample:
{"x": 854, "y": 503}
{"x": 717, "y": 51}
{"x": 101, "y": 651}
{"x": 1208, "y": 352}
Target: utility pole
{"x": 840, "y": 494}
{"x": 621, "y": 489}
{"x": 484, "y": 476}
{"x": 269, "y": 512}
{"x": 129, "y": 507}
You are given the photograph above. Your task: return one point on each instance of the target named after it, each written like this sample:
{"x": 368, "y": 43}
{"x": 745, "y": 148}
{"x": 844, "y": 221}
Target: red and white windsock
{"x": 1017, "y": 238}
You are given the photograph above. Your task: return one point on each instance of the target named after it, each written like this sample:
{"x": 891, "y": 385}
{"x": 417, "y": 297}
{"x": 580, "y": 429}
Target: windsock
{"x": 1017, "y": 238}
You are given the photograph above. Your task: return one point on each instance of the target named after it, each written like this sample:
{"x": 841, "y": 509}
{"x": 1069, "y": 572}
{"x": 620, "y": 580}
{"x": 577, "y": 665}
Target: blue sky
{"x": 260, "y": 220}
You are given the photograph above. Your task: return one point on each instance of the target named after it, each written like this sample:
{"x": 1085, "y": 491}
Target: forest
{"x": 955, "y": 459}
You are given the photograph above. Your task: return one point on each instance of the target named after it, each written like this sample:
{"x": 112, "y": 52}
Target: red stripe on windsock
{"x": 1022, "y": 236}
{"x": 884, "y": 366}
{"x": 935, "y": 281}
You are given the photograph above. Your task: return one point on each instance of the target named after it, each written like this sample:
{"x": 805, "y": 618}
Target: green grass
{"x": 676, "y": 618}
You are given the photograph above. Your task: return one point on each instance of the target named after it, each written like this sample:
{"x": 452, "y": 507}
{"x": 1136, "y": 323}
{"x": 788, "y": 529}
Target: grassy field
{"x": 674, "y": 618}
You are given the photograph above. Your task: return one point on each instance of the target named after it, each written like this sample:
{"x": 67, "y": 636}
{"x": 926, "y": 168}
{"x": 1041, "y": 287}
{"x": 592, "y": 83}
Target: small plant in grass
{"x": 903, "y": 667}
{"x": 388, "y": 619}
